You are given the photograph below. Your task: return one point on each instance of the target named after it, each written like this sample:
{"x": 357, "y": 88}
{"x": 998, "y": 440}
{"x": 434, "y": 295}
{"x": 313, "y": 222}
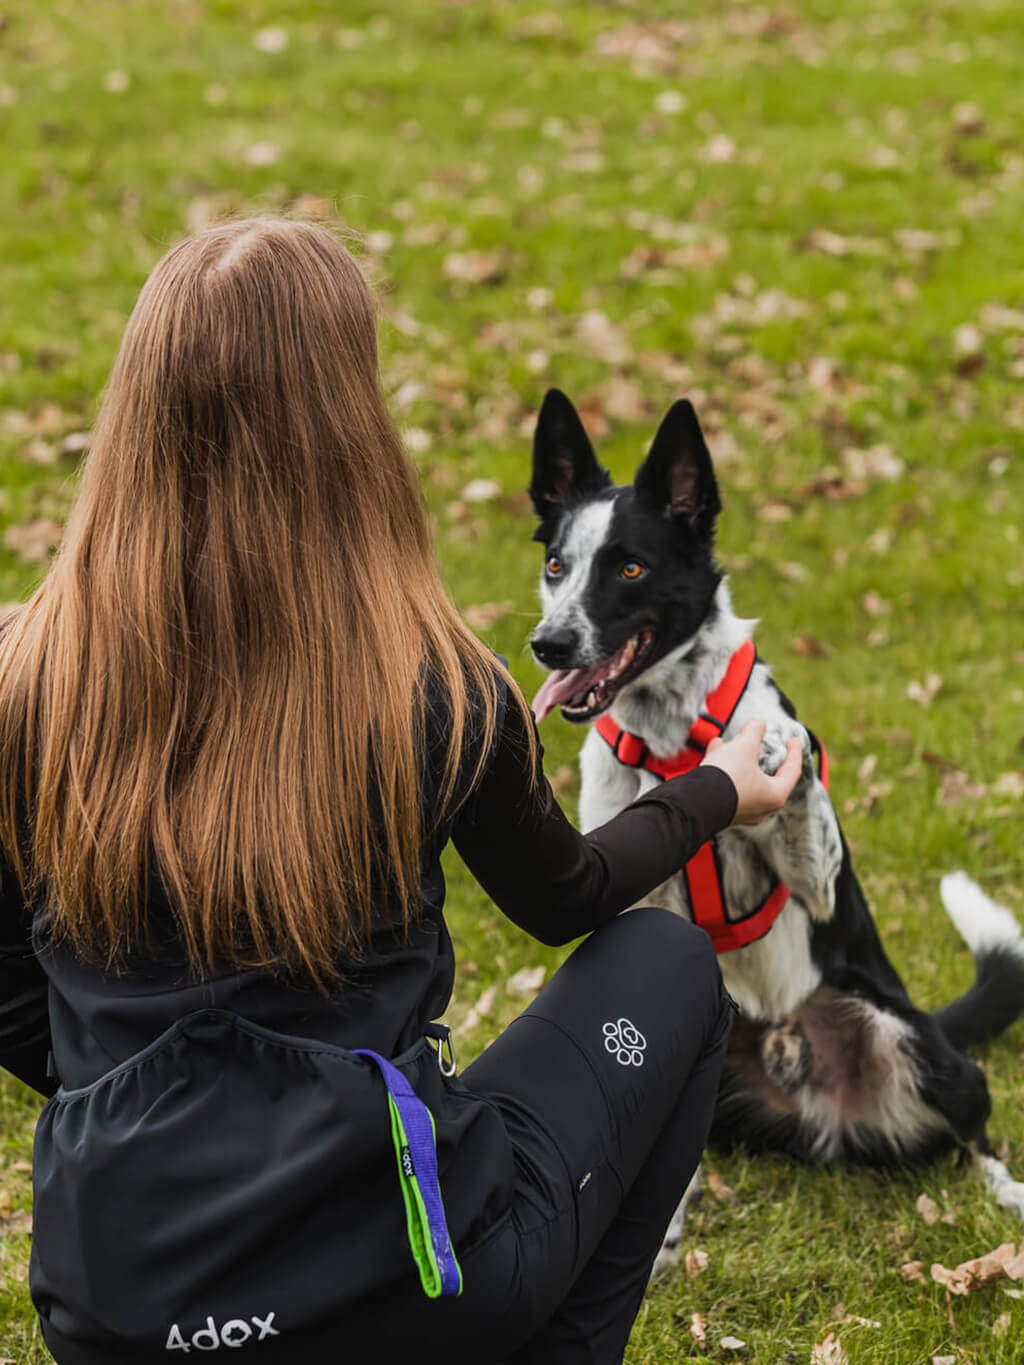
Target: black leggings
{"x": 606, "y": 1085}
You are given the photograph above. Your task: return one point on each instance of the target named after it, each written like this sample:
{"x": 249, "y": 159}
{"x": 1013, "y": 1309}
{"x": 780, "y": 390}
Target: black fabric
{"x": 140, "y": 1053}
{"x": 602, "y": 1151}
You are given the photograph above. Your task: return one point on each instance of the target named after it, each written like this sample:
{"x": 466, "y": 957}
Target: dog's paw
{"x": 775, "y": 745}
{"x": 668, "y": 1256}
{"x": 786, "y": 1056}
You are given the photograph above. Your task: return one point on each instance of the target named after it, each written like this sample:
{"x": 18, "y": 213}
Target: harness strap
{"x": 415, "y": 1140}
{"x": 703, "y": 872}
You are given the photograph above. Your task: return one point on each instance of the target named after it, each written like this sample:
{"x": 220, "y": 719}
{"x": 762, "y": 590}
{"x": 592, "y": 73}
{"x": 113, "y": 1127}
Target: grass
{"x": 808, "y": 219}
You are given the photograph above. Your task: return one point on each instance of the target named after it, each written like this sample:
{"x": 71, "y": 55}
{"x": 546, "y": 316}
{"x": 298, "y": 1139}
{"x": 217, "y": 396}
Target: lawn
{"x": 805, "y": 217}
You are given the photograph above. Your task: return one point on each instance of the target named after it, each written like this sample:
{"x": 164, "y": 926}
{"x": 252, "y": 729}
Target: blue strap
{"x": 416, "y": 1148}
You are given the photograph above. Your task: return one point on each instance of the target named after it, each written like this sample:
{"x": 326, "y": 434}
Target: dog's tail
{"x": 993, "y": 935}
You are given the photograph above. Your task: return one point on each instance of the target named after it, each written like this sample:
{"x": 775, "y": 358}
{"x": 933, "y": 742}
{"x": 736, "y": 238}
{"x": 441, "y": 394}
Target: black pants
{"x": 606, "y": 1085}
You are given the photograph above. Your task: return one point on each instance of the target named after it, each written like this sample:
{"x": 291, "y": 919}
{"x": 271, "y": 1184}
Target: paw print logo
{"x": 625, "y": 1042}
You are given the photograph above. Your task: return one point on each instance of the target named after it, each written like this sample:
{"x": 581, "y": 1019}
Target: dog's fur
{"x": 829, "y": 1057}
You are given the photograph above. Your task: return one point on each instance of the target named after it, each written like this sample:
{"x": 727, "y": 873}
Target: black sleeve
{"x": 24, "y": 991}
{"x": 557, "y": 883}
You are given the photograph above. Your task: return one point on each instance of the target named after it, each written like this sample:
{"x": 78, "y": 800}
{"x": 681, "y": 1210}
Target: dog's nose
{"x": 555, "y": 648}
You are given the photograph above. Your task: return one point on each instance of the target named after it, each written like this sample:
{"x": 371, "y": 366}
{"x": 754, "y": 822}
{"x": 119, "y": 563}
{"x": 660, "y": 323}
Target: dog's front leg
{"x": 801, "y": 843}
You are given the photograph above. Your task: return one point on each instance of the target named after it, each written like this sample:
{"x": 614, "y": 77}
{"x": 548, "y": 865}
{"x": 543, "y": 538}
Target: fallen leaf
{"x": 1009, "y": 784}
{"x": 971, "y": 1275}
{"x": 718, "y": 150}
{"x": 968, "y": 118}
{"x": 5, "y": 1204}
{"x": 1001, "y": 1325}
{"x": 623, "y": 400}
{"x": 732, "y": 1344}
{"x": 23, "y": 1167}
{"x": 875, "y": 462}
{"x": 698, "y": 1330}
{"x": 481, "y": 490}
{"x": 270, "y": 39}
{"x": 482, "y": 1008}
{"x": 943, "y": 1360}
{"x": 874, "y": 604}
{"x": 855, "y": 1320}
{"x": 719, "y": 1188}
{"x": 527, "y": 981}
{"x": 483, "y": 615}
{"x": 924, "y": 692}
{"x": 828, "y": 1351}
{"x": 911, "y": 1272}
{"x": 928, "y": 1209}
{"x": 956, "y": 788}
{"x": 601, "y": 338}
{"x": 474, "y": 267}
{"x": 809, "y": 647}
{"x": 261, "y": 154}
{"x": 32, "y": 540}
{"x": 695, "y": 1262}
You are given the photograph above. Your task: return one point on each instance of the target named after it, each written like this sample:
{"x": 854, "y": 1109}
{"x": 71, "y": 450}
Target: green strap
{"x": 417, "y": 1221}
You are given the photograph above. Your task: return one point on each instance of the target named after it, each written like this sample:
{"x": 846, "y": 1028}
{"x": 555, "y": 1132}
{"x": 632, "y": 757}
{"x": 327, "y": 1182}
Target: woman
{"x": 239, "y": 720}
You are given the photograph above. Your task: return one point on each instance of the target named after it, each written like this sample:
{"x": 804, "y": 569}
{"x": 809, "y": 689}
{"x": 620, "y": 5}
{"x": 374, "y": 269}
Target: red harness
{"x": 703, "y": 872}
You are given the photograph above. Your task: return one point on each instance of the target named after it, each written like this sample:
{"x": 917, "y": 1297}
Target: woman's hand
{"x": 758, "y": 794}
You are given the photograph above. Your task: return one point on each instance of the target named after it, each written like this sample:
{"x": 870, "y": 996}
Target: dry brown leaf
{"x": 732, "y": 1344}
{"x": 482, "y": 1008}
{"x": 971, "y": 1275}
{"x": 483, "y": 615}
{"x": 924, "y": 692}
{"x": 809, "y": 647}
{"x": 698, "y": 1330}
{"x": 32, "y": 540}
{"x": 829, "y": 1351}
{"x": 911, "y": 1272}
{"x": 22, "y": 1167}
{"x": 956, "y": 787}
{"x": 5, "y": 1204}
{"x": 928, "y": 1209}
{"x": 473, "y": 267}
{"x": 623, "y": 400}
{"x": 695, "y": 1262}
{"x": 719, "y": 1188}
{"x": 943, "y": 1360}
{"x": 527, "y": 981}
{"x": 261, "y": 154}
{"x": 599, "y": 337}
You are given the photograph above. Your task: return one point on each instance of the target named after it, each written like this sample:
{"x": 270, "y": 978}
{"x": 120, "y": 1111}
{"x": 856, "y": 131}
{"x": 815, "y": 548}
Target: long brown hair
{"x": 234, "y": 632}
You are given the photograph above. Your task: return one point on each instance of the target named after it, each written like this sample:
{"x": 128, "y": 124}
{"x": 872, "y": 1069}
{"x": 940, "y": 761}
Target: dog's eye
{"x": 632, "y": 570}
{"x": 553, "y": 567}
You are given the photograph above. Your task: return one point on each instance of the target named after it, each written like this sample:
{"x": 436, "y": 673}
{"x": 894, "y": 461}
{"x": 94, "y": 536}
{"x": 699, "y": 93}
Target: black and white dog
{"x": 829, "y": 1057}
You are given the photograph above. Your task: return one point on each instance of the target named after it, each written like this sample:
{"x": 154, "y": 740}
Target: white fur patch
{"x": 983, "y": 925}
{"x": 775, "y": 974}
{"x": 890, "y": 1105}
{"x": 563, "y": 598}
{"x": 1009, "y": 1193}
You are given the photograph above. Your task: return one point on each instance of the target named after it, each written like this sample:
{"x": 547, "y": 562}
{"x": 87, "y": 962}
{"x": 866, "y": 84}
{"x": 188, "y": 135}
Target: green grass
{"x": 521, "y": 132}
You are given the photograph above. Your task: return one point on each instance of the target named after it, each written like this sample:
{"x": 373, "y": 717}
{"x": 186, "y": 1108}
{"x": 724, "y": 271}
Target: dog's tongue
{"x": 559, "y": 686}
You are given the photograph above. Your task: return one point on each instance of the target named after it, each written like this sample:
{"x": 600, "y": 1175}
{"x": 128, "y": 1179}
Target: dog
{"x": 829, "y": 1058}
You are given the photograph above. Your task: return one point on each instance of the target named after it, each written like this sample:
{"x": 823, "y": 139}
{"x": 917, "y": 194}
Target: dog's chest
{"x": 768, "y": 978}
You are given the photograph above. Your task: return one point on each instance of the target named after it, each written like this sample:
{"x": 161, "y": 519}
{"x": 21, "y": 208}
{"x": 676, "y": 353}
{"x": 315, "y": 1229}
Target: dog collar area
{"x": 703, "y": 872}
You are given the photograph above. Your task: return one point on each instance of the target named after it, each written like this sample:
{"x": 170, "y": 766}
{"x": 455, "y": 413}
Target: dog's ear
{"x": 677, "y": 474}
{"x": 564, "y": 463}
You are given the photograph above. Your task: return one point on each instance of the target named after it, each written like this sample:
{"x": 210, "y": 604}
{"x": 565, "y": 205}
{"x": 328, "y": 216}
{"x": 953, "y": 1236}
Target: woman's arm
{"x": 24, "y": 1007}
{"x": 557, "y": 883}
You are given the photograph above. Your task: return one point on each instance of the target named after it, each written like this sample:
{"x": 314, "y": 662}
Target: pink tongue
{"x": 560, "y": 685}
